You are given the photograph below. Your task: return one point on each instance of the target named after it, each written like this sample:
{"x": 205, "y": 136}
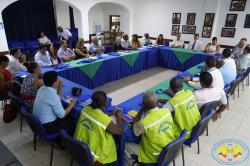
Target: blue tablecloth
{"x": 168, "y": 59}
{"x": 112, "y": 68}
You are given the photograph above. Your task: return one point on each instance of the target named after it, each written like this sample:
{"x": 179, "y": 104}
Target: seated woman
{"x": 31, "y": 84}
{"x": 135, "y": 43}
{"x": 213, "y": 47}
{"x": 45, "y": 40}
{"x": 96, "y": 129}
{"x": 81, "y": 51}
{"x": 5, "y": 76}
{"x": 118, "y": 44}
{"x": 160, "y": 40}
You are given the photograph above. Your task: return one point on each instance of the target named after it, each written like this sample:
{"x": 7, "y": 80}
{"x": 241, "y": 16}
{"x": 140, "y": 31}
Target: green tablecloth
{"x": 164, "y": 86}
{"x": 88, "y": 68}
{"x": 183, "y": 55}
{"x": 131, "y": 57}
{"x": 194, "y": 70}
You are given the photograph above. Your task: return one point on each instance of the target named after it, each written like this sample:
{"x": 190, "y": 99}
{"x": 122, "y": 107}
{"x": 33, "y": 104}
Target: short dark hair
{"x": 4, "y": 58}
{"x": 247, "y": 49}
{"x": 206, "y": 79}
{"x": 176, "y": 84}
{"x": 99, "y": 99}
{"x": 214, "y": 38}
{"x": 226, "y": 52}
{"x": 42, "y": 46}
{"x": 13, "y": 51}
{"x": 197, "y": 34}
{"x": 210, "y": 62}
{"x": 31, "y": 66}
{"x": 245, "y": 39}
{"x": 49, "y": 78}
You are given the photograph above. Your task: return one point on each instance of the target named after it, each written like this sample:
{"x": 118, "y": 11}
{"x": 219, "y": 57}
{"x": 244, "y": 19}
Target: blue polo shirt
{"x": 48, "y": 106}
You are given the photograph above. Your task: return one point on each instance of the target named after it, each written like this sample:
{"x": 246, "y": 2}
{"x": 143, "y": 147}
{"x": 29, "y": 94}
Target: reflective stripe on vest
{"x": 93, "y": 154}
{"x": 185, "y": 101}
{"x": 158, "y": 121}
{"x": 95, "y": 121}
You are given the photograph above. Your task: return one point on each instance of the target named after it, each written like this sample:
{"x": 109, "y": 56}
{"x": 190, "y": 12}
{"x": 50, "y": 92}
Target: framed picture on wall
{"x": 228, "y": 32}
{"x": 206, "y": 32}
{"x": 188, "y": 29}
{"x": 176, "y": 19}
{"x": 191, "y": 18}
{"x": 209, "y": 19}
{"x": 231, "y": 20}
{"x": 238, "y": 5}
{"x": 247, "y": 21}
{"x": 175, "y": 29}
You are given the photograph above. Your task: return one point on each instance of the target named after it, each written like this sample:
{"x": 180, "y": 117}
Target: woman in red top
{"x": 5, "y": 75}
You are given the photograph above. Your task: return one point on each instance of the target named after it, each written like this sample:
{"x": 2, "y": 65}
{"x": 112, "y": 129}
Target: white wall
{"x": 240, "y": 30}
{"x": 62, "y": 15}
{"x": 153, "y": 16}
{"x": 99, "y": 15}
{"x": 96, "y": 17}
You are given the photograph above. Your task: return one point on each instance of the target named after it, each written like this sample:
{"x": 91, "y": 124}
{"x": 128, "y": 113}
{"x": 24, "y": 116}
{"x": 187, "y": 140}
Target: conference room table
{"x": 83, "y": 99}
{"x": 94, "y": 72}
{"x": 135, "y": 104}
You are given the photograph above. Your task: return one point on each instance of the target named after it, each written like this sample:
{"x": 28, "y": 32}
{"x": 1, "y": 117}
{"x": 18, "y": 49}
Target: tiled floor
{"x": 235, "y": 123}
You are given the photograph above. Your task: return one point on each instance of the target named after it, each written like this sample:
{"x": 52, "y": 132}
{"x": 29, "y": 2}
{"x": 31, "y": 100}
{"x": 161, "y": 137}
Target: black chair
{"x": 39, "y": 131}
{"x": 211, "y": 106}
{"x": 198, "y": 130}
{"x": 169, "y": 152}
{"x": 231, "y": 90}
{"x": 79, "y": 151}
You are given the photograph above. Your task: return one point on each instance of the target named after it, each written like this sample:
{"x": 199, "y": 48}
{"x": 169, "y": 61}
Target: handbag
{"x": 9, "y": 112}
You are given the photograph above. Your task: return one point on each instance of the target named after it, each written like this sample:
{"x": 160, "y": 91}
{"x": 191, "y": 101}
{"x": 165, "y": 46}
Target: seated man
{"x": 96, "y": 128}
{"x": 244, "y": 60}
{"x": 196, "y": 44}
{"x": 65, "y": 54}
{"x": 14, "y": 64}
{"x": 183, "y": 106}
{"x": 48, "y": 107}
{"x": 146, "y": 40}
{"x": 95, "y": 47}
{"x": 239, "y": 48}
{"x": 210, "y": 66}
{"x": 125, "y": 42}
{"x": 118, "y": 45}
{"x": 208, "y": 94}
{"x": 156, "y": 129}
{"x": 228, "y": 68}
{"x": 178, "y": 42}
{"x": 42, "y": 56}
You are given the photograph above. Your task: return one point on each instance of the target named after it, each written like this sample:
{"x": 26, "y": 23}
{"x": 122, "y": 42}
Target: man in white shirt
{"x": 196, "y": 44}
{"x": 208, "y": 94}
{"x": 42, "y": 57}
{"x": 211, "y": 68}
{"x": 178, "y": 42}
{"x": 65, "y": 34}
{"x": 65, "y": 54}
{"x": 146, "y": 40}
{"x": 244, "y": 60}
{"x": 14, "y": 64}
{"x": 239, "y": 48}
{"x": 96, "y": 48}
{"x": 125, "y": 42}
